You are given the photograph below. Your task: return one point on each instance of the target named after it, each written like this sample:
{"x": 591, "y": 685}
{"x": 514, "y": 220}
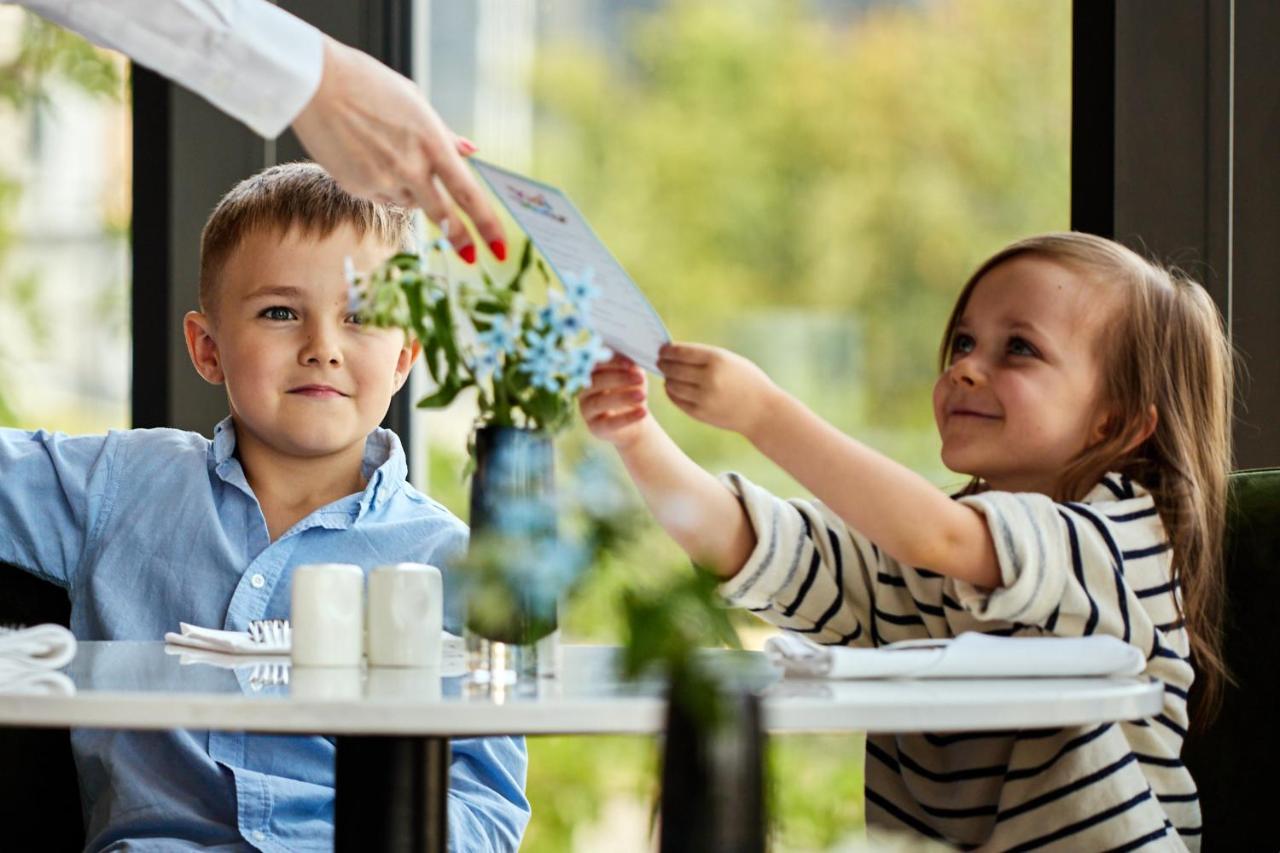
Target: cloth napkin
{"x": 970, "y": 655}
{"x": 40, "y": 647}
{"x": 229, "y": 642}
{"x": 452, "y": 648}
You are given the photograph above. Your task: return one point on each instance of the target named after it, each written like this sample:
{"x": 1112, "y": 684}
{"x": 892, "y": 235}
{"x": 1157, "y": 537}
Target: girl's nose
{"x": 967, "y": 371}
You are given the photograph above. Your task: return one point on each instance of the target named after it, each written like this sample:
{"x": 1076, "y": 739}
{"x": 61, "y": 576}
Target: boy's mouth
{"x": 319, "y": 391}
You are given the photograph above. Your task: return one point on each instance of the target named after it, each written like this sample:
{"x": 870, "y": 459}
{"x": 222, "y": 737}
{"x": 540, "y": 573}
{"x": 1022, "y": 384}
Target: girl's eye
{"x": 278, "y": 312}
{"x": 354, "y": 319}
{"x": 961, "y": 344}
{"x": 1019, "y": 346}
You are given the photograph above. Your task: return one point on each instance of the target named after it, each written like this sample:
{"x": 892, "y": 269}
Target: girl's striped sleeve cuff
{"x": 1027, "y": 533}
{"x": 780, "y": 538}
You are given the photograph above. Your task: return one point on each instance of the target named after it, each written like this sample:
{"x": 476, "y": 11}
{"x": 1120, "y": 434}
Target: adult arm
{"x": 370, "y": 127}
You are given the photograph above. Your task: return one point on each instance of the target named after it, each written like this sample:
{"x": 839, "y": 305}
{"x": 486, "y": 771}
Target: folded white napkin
{"x": 230, "y": 642}
{"x": 970, "y": 655}
{"x": 237, "y": 643}
{"x": 40, "y": 647}
{"x": 36, "y": 682}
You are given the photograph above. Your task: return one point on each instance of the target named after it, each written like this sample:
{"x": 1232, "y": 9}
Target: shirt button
{"x": 258, "y": 835}
{"x": 258, "y": 581}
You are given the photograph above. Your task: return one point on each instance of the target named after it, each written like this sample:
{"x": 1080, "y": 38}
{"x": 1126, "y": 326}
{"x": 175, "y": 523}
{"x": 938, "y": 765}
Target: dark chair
{"x": 1232, "y": 760}
{"x": 39, "y": 797}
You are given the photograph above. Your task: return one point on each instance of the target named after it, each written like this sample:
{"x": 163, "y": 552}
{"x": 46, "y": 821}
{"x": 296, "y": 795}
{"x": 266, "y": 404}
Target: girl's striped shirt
{"x": 1069, "y": 569}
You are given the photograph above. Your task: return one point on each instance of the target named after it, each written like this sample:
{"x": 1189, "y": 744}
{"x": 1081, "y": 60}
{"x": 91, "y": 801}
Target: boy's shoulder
{"x": 415, "y": 502}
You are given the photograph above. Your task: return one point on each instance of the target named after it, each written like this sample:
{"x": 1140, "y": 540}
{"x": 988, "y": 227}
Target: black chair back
{"x": 1232, "y": 759}
{"x": 39, "y": 796}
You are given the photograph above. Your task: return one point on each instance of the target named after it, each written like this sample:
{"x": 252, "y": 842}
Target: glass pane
{"x": 807, "y": 183}
{"x": 64, "y": 220}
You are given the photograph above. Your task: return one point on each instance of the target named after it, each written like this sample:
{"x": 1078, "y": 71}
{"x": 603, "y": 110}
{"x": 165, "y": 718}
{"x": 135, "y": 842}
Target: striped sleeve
{"x": 808, "y": 573}
{"x": 1063, "y": 569}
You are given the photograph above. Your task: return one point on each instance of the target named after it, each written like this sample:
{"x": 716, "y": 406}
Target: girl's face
{"x": 1021, "y": 395}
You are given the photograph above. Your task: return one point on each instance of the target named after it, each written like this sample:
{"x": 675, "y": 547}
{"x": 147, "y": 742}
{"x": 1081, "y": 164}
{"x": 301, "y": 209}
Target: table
{"x": 396, "y": 724}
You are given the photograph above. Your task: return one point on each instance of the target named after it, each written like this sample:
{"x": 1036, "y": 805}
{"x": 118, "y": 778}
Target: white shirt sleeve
{"x": 248, "y": 58}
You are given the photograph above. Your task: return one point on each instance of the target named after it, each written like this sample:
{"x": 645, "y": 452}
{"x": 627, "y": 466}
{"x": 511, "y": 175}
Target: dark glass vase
{"x": 511, "y": 595}
{"x": 713, "y": 784}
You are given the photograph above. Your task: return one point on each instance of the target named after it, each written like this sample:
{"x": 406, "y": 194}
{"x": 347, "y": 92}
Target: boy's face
{"x": 303, "y": 376}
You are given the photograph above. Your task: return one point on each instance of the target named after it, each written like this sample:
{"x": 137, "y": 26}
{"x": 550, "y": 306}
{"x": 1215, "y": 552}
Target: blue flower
{"x": 486, "y": 364}
{"x": 543, "y": 375}
{"x": 500, "y": 337}
{"x": 579, "y": 287}
{"x": 570, "y": 324}
{"x": 540, "y": 347}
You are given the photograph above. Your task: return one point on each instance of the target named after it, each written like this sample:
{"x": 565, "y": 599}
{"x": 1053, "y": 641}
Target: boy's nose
{"x": 321, "y": 347}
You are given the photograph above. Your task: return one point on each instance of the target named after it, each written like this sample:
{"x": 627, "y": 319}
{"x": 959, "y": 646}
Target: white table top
{"x": 134, "y": 685}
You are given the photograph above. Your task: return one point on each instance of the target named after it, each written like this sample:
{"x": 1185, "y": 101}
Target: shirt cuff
{"x": 767, "y": 571}
{"x": 1022, "y": 528}
{"x": 269, "y": 68}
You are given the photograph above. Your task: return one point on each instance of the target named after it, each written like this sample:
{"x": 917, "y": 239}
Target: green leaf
{"x": 444, "y": 396}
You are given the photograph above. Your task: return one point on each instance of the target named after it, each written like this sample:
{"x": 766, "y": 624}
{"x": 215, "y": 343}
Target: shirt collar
{"x": 383, "y": 468}
{"x": 1115, "y": 486}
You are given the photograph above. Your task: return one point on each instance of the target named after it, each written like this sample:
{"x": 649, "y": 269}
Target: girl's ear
{"x": 1138, "y": 432}
{"x": 1142, "y": 432}
{"x": 1148, "y": 429}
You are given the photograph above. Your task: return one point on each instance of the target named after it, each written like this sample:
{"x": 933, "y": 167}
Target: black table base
{"x": 391, "y": 794}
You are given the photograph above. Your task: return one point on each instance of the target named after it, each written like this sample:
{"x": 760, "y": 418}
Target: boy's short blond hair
{"x": 288, "y": 196}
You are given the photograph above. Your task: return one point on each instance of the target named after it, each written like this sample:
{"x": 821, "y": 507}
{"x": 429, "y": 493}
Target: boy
{"x": 144, "y": 528}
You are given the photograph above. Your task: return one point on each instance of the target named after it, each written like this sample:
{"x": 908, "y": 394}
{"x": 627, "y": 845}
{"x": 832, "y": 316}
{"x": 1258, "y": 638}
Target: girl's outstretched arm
{"x": 891, "y": 505}
{"x": 696, "y": 509}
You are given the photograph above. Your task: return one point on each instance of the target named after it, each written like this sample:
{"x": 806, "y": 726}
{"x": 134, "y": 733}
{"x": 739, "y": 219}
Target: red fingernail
{"x": 468, "y": 145}
{"x": 499, "y": 249}
{"x": 468, "y": 253}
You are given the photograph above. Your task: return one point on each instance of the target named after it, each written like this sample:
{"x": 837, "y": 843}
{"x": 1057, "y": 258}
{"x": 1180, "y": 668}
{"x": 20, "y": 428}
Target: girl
{"x": 1087, "y": 394}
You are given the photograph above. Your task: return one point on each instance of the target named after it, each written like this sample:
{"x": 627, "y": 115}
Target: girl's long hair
{"x": 1165, "y": 347}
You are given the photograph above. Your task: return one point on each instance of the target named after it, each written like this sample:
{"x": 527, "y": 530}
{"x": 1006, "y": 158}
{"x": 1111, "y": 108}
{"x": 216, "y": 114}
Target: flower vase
{"x": 511, "y": 584}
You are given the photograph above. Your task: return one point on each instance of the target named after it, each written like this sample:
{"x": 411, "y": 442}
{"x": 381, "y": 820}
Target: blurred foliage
{"x": 44, "y": 52}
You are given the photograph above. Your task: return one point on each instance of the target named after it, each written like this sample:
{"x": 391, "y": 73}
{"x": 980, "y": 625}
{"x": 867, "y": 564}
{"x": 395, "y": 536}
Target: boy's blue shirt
{"x": 146, "y": 528}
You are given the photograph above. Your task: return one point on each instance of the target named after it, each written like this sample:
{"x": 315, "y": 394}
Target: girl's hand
{"x": 716, "y": 386}
{"x": 614, "y": 405}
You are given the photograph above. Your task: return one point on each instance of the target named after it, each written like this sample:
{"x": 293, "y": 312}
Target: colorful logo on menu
{"x": 535, "y": 202}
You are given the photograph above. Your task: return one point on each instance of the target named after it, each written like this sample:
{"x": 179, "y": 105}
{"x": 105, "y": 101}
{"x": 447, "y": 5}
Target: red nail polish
{"x": 499, "y": 249}
{"x": 468, "y": 253}
{"x": 468, "y": 145}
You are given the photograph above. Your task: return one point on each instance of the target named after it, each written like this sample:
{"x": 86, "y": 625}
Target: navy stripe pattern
{"x": 1102, "y": 565}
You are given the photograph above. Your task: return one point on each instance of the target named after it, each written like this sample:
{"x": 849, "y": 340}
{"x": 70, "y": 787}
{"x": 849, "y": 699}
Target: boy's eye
{"x": 278, "y": 312}
{"x": 1019, "y": 346}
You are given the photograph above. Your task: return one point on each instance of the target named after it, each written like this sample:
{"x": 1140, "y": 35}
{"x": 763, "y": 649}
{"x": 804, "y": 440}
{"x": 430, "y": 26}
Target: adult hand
{"x": 375, "y": 133}
{"x": 614, "y": 404}
{"x": 716, "y": 386}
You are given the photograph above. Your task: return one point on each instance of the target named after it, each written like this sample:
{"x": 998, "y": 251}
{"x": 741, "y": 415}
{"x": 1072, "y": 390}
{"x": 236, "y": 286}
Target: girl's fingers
{"x": 681, "y": 371}
{"x": 683, "y": 390}
{"x": 594, "y": 407}
{"x": 619, "y": 420}
{"x": 694, "y": 354}
{"x": 610, "y": 380}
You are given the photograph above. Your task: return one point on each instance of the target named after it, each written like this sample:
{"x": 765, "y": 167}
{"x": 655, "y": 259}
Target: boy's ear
{"x": 408, "y": 355}
{"x": 202, "y": 348}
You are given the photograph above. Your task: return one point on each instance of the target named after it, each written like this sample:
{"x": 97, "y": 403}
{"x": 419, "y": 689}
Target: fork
{"x": 274, "y": 632}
